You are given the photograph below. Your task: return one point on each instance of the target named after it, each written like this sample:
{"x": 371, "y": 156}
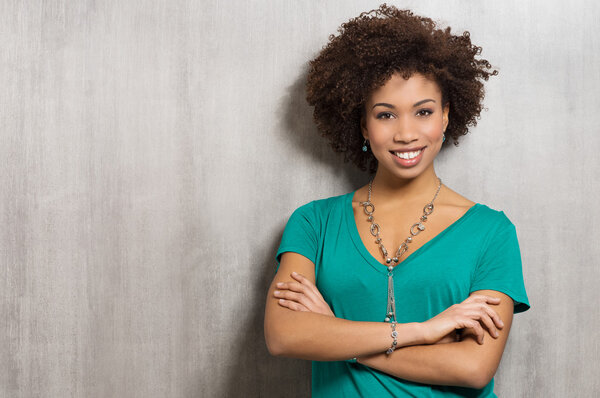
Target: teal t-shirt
{"x": 478, "y": 251}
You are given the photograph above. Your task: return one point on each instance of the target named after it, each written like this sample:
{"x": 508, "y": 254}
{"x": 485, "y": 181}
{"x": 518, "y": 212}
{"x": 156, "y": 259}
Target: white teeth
{"x": 408, "y": 155}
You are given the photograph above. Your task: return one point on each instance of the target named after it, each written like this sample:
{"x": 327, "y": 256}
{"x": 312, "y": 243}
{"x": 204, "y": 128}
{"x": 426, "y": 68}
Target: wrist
{"x": 412, "y": 333}
{"x": 394, "y": 335}
{"x": 421, "y": 333}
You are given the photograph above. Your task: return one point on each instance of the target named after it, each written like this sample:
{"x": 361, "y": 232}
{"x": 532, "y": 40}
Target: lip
{"x": 414, "y": 149}
{"x": 409, "y": 162}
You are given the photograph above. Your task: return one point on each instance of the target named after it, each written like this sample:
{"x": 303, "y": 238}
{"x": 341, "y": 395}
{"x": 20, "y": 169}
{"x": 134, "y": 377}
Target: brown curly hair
{"x": 365, "y": 54}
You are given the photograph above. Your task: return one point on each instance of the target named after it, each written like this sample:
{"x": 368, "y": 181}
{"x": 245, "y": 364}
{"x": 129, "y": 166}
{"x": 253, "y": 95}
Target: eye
{"x": 424, "y": 112}
{"x": 384, "y": 115}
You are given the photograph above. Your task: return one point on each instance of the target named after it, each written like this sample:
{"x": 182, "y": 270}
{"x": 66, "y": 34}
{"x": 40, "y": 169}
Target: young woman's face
{"x": 404, "y": 122}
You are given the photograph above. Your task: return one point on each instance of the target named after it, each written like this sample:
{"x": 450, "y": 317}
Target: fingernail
{"x": 501, "y": 323}
{"x": 279, "y": 284}
{"x": 294, "y": 273}
{"x": 277, "y": 292}
{"x": 281, "y": 300}
{"x": 496, "y": 334}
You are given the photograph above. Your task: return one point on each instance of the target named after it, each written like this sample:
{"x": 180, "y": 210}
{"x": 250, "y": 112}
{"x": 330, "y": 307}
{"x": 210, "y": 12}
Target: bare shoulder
{"x": 360, "y": 196}
{"x": 454, "y": 203}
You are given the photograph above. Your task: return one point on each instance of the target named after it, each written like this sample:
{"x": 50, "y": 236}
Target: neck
{"x": 389, "y": 188}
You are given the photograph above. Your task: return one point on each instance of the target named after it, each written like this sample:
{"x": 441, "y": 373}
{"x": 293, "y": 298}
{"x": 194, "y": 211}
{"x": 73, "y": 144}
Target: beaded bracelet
{"x": 395, "y": 337}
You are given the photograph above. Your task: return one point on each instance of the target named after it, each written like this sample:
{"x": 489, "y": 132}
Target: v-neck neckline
{"x": 360, "y": 246}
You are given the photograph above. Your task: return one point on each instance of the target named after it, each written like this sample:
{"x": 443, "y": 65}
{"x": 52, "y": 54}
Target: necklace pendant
{"x": 416, "y": 229}
{"x": 368, "y": 207}
{"x": 375, "y": 229}
{"x": 428, "y": 209}
{"x": 383, "y": 250}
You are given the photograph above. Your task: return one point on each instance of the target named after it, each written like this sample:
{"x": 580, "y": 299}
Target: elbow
{"x": 281, "y": 344}
{"x": 280, "y": 348}
{"x": 480, "y": 375}
{"x": 276, "y": 345}
{"x": 479, "y": 381}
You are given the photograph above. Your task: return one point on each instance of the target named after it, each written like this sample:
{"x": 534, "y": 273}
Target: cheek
{"x": 379, "y": 132}
{"x": 433, "y": 129}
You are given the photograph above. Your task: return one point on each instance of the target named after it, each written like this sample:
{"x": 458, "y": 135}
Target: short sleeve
{"x": 499, "y": 266}
{"x": 300, "y": 234}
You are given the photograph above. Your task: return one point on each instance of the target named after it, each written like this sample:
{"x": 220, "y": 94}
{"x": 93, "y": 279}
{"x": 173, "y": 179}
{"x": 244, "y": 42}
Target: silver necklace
{"x": 415, "y": 229}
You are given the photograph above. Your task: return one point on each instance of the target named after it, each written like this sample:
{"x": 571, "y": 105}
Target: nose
{"x": 405, "y": 131}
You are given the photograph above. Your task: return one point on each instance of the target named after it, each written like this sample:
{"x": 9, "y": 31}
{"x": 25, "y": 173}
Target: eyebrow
{"x": 393, "y": 107}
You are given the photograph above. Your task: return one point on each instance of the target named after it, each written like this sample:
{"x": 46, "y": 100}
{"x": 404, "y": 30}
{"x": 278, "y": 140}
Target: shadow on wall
{"x": 254, "y": 372}
{"x": 297, "y": 122}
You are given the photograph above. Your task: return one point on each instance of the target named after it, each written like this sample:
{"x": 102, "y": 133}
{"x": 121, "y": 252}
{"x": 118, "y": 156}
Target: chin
{"x": 408, "y": 174}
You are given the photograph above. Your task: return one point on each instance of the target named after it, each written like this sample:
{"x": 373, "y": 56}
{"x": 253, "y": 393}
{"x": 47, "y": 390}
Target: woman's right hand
{"x": 471, "y": 314}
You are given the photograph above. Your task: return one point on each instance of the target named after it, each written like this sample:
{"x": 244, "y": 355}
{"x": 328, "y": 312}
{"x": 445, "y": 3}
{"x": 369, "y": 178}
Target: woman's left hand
{"x": 302, "y": 295}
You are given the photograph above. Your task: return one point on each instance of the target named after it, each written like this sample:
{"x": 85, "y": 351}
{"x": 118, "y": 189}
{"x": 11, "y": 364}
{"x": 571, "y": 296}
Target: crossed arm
{"x": 310, "y": 331}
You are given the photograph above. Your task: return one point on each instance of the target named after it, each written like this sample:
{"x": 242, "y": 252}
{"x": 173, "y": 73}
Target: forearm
{"x": 317, "y": 337}
{"x": 466, "y": 363}
{"x": 452, "y": 364}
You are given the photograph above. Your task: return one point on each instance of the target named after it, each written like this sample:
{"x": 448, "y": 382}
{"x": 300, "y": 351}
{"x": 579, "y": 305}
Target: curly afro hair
{"x": 363, "y": 57}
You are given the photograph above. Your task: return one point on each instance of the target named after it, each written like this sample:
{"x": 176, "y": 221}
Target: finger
{"x": 302, "y": 279}
{"x": 484, "y": 313}
{"x": 492, "y": 300}
{"x": 298, "y": 277}
{"x": 483, "y": 298}
{"x": 477, "y": 329}
{"x": 477, "y": 298}
{"x": 466, "y": 332}
{"x": 293, "y": 286}
{"x": 488, "y": 322}
{"x": 495, "y": 317}
{"x": 292, "y": 305}
{"x": 300, "y": 288}
{"x": 293, "y": 296}
{"x": 478, "y": 332}
{"x": 316, "y": 294}
{"x": 491, "y": 313}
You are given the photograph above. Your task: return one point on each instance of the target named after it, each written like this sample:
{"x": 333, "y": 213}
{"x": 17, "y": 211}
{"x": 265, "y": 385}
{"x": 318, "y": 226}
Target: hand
{"x": 470, "y": 314}
{"x": 302, "y": 295}
{"x": 451, "y": 337}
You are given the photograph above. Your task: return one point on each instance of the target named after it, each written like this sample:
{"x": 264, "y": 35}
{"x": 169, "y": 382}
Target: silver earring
{"x": 444, "y": 140}
{"x": 364, "y": 147}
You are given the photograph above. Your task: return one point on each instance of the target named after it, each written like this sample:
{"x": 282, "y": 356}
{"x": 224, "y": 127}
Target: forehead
{"x": 416, "y": 87}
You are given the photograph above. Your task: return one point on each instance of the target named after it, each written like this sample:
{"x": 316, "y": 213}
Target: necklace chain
{"x": 415, "y": 229}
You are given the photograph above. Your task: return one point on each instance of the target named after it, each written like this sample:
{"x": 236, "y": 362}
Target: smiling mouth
{"x": 407, "y": 155}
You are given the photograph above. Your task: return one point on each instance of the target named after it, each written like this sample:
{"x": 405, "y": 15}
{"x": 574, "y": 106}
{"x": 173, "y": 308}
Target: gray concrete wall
{"x": 151, "y": 152}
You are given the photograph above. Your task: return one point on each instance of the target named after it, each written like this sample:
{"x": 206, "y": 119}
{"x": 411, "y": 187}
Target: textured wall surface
{"x": 152, "y": 151}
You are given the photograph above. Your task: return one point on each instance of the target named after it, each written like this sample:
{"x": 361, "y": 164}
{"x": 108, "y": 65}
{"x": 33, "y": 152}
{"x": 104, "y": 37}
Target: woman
{"x": 403, "y": 287}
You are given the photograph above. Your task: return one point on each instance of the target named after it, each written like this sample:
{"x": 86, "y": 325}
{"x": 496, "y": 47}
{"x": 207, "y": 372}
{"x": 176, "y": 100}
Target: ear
{"x": 363, "y": 127}
{"x": 445, "y": 113}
